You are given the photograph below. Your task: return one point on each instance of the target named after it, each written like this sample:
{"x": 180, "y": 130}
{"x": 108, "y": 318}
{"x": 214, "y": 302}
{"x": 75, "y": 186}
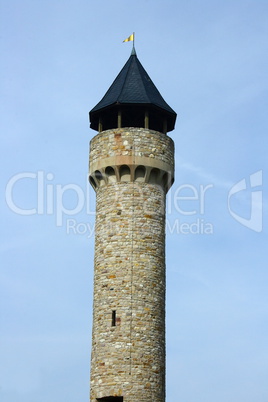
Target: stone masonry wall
{"x": 132, "y": 141}
{"x": 128, "y": 339}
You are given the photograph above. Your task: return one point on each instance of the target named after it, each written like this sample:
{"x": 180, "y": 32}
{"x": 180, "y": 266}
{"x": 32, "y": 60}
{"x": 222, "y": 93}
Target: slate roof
{"x": 133, "y": 86}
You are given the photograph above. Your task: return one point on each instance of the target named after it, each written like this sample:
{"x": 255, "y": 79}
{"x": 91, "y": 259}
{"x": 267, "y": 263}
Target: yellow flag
{"x": 130, "y": 38}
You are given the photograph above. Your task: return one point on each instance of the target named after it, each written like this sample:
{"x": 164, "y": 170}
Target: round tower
{"x": 131, "y": 169}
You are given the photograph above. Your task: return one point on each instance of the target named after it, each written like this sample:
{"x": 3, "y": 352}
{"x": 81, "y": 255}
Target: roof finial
{"x": 133, "y": 52}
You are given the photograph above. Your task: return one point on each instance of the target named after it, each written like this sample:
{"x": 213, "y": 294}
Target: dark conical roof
{"x": 134, "y": 87}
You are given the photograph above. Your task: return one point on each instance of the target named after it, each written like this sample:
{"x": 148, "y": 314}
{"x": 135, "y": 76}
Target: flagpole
{"x": 131, "y": 38}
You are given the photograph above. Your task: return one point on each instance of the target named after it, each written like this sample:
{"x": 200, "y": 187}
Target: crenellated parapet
{"x": 131, "y": 155}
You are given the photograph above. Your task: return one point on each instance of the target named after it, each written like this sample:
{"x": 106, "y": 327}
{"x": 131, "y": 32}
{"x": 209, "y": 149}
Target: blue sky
{"x": 209, "y": 61}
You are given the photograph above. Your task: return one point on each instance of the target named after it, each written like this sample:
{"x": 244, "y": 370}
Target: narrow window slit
{"x": 113, "y": 318}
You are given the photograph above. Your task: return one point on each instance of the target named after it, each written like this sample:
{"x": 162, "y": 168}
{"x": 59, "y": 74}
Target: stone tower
{"x": 131, "y": 169}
